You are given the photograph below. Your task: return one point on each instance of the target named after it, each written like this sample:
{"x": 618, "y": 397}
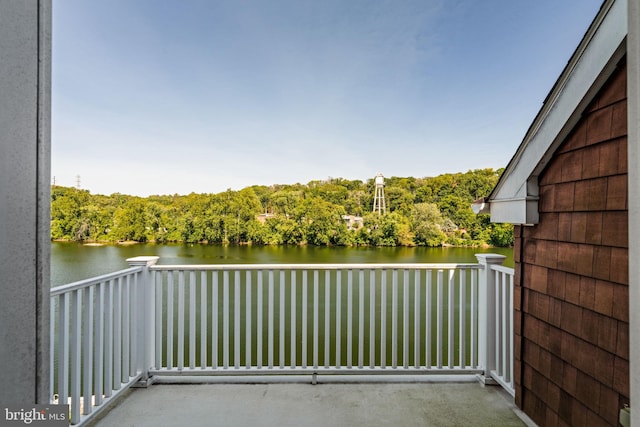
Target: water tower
{"x": 379, "y": 204}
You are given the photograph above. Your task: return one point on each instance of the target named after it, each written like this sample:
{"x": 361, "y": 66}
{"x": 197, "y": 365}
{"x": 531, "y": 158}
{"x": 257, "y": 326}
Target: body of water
{"x": 74, "y": 261}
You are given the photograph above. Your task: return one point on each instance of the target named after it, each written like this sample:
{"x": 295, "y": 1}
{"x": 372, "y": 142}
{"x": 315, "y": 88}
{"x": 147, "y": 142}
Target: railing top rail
{"x": 369, "y": 266}
{"x": 59, "y": 290}
{"x": 501, "y": 268}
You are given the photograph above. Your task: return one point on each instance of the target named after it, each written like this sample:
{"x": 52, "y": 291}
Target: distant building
{"x": 263, "y": 217}
{"x": 353, "y": 222}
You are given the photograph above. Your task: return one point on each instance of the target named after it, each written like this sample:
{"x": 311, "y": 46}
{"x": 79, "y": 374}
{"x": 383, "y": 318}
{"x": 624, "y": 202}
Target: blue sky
{"x": 199, "y": 96}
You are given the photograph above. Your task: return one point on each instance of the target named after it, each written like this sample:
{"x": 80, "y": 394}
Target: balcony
{"x": 313, "y": 323}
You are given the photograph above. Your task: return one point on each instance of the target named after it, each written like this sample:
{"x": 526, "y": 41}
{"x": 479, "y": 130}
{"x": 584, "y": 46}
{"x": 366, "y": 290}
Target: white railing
{"x": 155, "y": 321}
{"x": 96, "y": 330}
{"x": 263, "y": 319}
{"x": 502, "y": 368}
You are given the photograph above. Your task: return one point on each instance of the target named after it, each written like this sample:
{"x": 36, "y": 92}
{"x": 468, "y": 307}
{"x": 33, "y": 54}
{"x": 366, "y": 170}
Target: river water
{"x": 74, "y": 261}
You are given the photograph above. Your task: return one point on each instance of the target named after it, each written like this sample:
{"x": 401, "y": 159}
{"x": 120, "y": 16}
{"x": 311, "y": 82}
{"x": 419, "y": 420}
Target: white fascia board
{"x": 592, "y": 63}
{"x": 515, "y": 211}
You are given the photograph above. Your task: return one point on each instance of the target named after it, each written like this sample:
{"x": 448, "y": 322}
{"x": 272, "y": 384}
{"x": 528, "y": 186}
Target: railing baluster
{"x": 338, "y": 316}
{"x": 117, "y": 334}
{"x": 294, "y": 301}
{"x": 505, "y": 332}
{"x": 383, "y": 319}
{"x": 134, "y": 365}
{"x": 169, "y": 335}
{"x": 350, "y": 319}
{"x": 225, "y": 319}
{"x": 474, "y": 319}
{"x": 405, "y": 321}
{"x": 271, "y": 291}
{"x": 259, "y": 330}
{"x": 427, "y": 318}
{"x": 281, "y": 317}
{"x": 416, "y": 319}
{"x": 504, "y": 321}
{"x": 236, "y": 320}
{"x": 126, "y": 329}
{"x": 87, "y": 323}
{"x": 372, "y": 318}
{"x": 394, "y": 320}
{"x": 98, "y": 360}
{"x": 192, "y": 319}
{"x": 361, "y": 319}
{"x": 203, "y": 319}
{"x": 510, "y": 333}
{"x": 181, "y": 319}
{"x": 214, "y": 319}
{"x": 157, "y": 280}
{"x": 76, "y": 348}
{"x": 439, "y": 321}
{"x": 108, "y": 338}
{"x": 498, "y": 323}
{"x": 451, "y": 308}
{"x": 248, "y": 315}
{"x": 52, "y": 346}
{"x": 327, "y": 316}
{"x": 463, "y": 319}
{"x": 315, "y": 318}
{"x": 304, "y": 315}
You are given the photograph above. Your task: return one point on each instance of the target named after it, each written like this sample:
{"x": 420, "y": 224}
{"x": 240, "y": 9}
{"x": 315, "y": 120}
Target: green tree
{"x": 426, "y": 224}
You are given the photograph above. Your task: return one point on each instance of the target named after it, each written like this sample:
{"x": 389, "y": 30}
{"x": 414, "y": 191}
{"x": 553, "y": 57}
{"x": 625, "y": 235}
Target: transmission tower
{"x": 77, "y": 182}
{"x": 379, "y": 204}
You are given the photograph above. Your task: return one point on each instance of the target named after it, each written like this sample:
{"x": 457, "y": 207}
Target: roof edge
{"x": 594, "y": 60}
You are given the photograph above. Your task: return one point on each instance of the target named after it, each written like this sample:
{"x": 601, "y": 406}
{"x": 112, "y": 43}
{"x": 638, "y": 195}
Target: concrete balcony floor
{"x": 438, "y": 402}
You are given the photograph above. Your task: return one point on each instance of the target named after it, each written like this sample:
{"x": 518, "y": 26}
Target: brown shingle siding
{"x": 594, "y": 228}
{"x": 590, "y": 162}
{"x": 607, "y": 333}
{"x": 572, "y": 288}
{"x": 622, "y": 159}
{"x": 604, "y": 297}
{"x": 615, "y": 90}
{"x": 614, "y": 229}
{"x": 609, "y": 402}
{"x": 597, "y": 194}
{"x": 617, "y": 193}
{"x": 571, "y": 166}
{"x": 602, "y": 263}
{"x": 547, "y": 253}
{"x": 556, "y": 283}
{"x": 604, "y": 362}
{"x": 609, "y": 157}
{"x": 576, "y": 139}
{"x": 619, "y": 120}
{"x": 587, "y": 390}
{"x": 599, "y": 126}
{"x": 564, "y": 197}
{"x": 578, "y": 227}
{"x": 564, "y": 222}
{"x": 621, "y": 376}
{"x": 573, "y": 340}
{"x": 587, "y": 292}
{"x": 620, "y": 265}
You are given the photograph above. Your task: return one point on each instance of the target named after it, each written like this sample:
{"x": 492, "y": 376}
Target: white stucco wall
{"x": 25, "y": 52}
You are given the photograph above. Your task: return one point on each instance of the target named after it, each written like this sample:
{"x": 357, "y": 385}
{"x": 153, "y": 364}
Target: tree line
{"x": 432, "y": 211}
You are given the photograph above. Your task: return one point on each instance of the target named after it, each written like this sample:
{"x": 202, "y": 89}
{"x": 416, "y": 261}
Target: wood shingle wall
{"x": 571, "y": 298}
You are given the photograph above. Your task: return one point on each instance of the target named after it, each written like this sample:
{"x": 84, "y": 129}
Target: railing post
{"x": 486, "y": 315}
{"x": 145, "y": 314}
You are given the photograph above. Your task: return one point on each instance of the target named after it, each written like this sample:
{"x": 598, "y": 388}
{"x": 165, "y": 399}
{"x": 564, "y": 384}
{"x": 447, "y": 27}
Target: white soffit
{"x": 592, "y": 63}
